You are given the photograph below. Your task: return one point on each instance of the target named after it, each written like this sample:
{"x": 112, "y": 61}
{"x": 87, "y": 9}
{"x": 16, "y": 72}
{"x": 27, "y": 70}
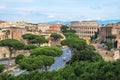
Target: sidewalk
{"x": 10, "y": 69}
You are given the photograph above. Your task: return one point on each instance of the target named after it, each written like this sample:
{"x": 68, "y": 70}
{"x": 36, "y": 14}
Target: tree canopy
{"x": 86, "y": 55}
{"x": 18, "y": 58}
{"x": 56, "y": 36}
{"x": 111, "y": 36}
{"x": 29, "y": 36}
{"x": 109, "y": 45}
{"x": 29, "y": 47}
{"x": 66, "y": 29}
{"x": 30, "y": 63}
{"x": 82, "y": 70}
{"x": 38, "y": 40}
{"x": 2, "y": 67}
{"x": 33, "y": 62}
{"x": 46, "y": 50}
{"x": 77, "y": 43}
{"x": 69, "y": 34}
{"x": 34, "y": 39}
{"x": 12, "y": 44}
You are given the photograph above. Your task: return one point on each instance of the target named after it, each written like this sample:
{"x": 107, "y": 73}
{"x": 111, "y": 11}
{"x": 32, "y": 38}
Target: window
{"x": 119, "y": 32}
{"x": 4, "y": 55}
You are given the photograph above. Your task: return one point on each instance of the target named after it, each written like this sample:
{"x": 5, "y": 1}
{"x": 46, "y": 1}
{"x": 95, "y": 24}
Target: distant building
{"x": 116, "y": 54}
{"x": 3, "y": 24}
{"x": 16, "y": 32}
{"x": 2, "y": 21}
{"x": 4, "y": 53}
{"x": 110, "y": 29}
{"x": 85, "y": 29}
{"x": 104, "y": 32}
{"x": 4, "y": 34}
{"x": 54, "y": 28}
{"x": 31, "y": 27}
{"x": 43, "y": 27}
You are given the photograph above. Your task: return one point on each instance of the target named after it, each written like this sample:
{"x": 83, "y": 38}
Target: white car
{"x": 64, "y": 58}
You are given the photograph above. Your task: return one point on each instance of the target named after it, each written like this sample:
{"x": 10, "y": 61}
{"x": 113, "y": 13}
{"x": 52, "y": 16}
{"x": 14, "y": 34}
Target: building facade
{"x": 104, "y": 32}
{"x": 43, "y": 27}
{"x": 17, "y": 32}
{"x": 53, "y": 28}
{"x": 110, "y": 29}
{"x": 2, "y": 24}
{"x": 85, "y": 29}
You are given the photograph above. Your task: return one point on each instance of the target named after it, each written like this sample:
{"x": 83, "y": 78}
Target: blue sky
{"x": 62, "y": 10}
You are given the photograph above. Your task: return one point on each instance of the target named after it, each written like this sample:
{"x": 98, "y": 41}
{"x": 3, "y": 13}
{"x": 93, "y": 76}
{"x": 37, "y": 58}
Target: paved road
{"x": 60, "y": 62}
{"x": 6, "y": 61}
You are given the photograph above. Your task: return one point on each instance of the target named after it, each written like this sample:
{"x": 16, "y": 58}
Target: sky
{"x": 59, "y": 10}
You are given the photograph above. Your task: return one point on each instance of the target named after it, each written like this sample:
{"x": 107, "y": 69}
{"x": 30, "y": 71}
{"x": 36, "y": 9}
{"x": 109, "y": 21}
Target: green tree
{"x": 46, "y": 50}
{"x": 34, "y": 39}
{"x": 75, "y": 43}
{"x": 47, "y": 60}
{"x": 96, "y": 34}
{"x": 18, "y": 58}
{"x": 39, "y": 40}
{"x": 92, "y": 38}
{"x": 91, "y": 47}
{"x": 23, "y": 77}
{"x": 72, "y": 31}
{"x": 109, "y": 45}
{"x": 111, "y": 37}
{"x": 83, "y": 70}
{"x": 33, "y": 62}
{"x": 12, "y": 45}
{"x": 29, "y": 37}
{"x": 2, "y": 67}
{"x": 115, "y": 44}
{"x": 5, "y": 76}
{"x": 66, "y": 29}
{"x": 29, "y": 47}
{"x": 69, "y": 34}
{"x": 55, "y": 38}
{"x": 86, "y": 55}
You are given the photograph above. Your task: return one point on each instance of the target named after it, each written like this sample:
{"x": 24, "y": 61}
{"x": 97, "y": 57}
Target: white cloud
{"x": 61, "y": 10}
{"x": 25, "y": 1}
{"x": 51, "y": 16}
{"x": 2, "y": 7}
{"x": 25, "y": 8}
{"x": 68, "y": 13}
